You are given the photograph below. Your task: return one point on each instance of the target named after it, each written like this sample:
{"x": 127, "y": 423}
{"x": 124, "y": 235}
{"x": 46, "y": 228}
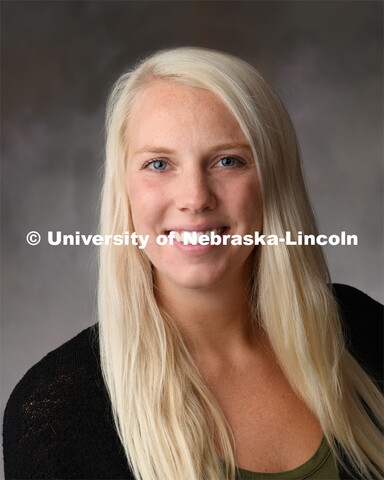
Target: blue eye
{"x": 158, "y": 165}
{"x": 229, "y": 162}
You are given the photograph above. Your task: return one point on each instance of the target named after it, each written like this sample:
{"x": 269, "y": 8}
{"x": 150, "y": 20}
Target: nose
{"x": 194, "y": 192}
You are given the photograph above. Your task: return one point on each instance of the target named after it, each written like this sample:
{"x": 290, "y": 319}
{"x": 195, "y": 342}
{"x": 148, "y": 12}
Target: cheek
{"x": 249, "y": 204}
{"x": 255, "y": 206}
{"x": 147, "y": 204}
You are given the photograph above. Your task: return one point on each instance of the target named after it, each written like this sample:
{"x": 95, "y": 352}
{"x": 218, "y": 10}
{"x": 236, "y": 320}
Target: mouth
{"x": 193, "y": 236}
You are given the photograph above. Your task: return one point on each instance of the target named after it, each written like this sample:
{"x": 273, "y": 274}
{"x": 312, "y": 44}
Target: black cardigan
{"x": 58, "y": 421}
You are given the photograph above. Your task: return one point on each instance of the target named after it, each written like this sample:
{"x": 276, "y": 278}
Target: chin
{"x": 204, "y": 274}
{"x": 197, "y": 280}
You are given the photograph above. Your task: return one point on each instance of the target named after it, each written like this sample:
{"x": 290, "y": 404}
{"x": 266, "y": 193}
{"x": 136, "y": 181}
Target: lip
{"x": 195, "y": 228}
{"x": 196, "y": 249}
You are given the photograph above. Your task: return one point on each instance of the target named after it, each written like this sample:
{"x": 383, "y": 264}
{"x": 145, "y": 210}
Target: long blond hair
{"x": 169, "y": 423}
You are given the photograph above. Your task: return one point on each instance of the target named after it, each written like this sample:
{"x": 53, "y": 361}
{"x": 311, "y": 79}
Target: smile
{"x": 193, "y": 237}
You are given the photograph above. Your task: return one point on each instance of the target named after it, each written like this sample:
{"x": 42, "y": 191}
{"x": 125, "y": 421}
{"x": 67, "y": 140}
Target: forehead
{"x": 170, "y": 109}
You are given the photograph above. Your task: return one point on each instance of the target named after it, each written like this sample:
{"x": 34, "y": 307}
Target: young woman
{"x": 216, "y": 360}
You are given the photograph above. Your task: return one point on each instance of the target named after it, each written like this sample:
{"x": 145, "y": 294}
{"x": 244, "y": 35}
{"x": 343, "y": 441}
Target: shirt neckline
{"x": 301, "y": 472}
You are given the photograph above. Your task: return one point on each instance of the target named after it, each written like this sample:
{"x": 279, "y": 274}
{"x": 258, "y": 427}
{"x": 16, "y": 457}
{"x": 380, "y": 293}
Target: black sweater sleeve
{"x": 363, "y": 321}
{"x": 37, "y": 435}
{"x": 58, "y": 423}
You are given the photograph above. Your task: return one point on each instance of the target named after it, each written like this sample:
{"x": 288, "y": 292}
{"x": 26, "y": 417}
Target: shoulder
{"x": 362, "y": 320}
{"x": 56, "y": 380}
{"x": 57, "y": 422}
{"x": 60, "y": 371}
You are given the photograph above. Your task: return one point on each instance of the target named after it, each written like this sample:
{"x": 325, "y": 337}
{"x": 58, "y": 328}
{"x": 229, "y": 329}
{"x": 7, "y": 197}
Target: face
{"x": 190, "y": 168}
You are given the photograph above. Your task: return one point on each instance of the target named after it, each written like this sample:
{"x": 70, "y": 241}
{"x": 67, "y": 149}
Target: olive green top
{"x": 321, "y": 466}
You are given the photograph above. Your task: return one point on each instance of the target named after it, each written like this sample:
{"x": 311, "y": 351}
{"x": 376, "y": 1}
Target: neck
{"x": 215, "y": 322}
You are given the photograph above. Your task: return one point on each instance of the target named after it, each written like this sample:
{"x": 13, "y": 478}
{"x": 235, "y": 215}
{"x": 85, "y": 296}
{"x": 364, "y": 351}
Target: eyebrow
{"x": 223, "y": 146}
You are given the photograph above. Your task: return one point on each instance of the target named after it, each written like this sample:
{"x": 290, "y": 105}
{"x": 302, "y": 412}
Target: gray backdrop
{"x": 59, "y": 59}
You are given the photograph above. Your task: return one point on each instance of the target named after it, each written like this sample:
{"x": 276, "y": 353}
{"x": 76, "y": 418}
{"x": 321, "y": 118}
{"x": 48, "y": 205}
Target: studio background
{"x": 59, "y": 61}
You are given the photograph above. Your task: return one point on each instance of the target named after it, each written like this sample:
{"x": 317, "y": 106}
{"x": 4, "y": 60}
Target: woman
{"x": 212, "y": 356}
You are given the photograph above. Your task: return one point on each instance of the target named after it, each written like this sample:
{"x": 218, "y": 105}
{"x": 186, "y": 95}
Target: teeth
{"x": 193, "y": 238}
